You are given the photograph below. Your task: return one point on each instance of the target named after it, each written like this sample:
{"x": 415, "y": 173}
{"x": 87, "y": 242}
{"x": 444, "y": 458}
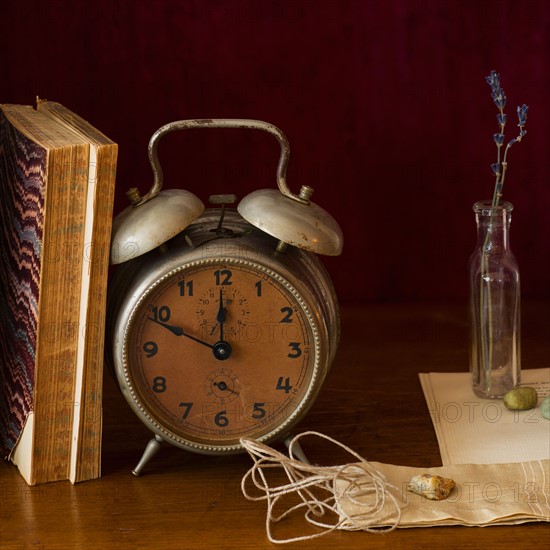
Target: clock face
{"x": 216, "y": 351}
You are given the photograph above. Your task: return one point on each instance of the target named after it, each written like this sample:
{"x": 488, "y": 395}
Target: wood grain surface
{"x": 372, "y": 402}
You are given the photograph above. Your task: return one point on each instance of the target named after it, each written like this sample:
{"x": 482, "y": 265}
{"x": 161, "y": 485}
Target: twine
{"x": 361, "y": 480}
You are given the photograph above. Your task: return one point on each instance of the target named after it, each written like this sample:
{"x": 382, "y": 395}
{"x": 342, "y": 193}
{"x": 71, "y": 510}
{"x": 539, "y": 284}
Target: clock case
{"x": 235, "y": 242}
{"x": 275, "y": 231}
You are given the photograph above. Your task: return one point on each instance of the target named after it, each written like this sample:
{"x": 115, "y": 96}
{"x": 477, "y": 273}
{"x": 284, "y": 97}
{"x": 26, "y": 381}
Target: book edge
{"x": 22, "y": 453}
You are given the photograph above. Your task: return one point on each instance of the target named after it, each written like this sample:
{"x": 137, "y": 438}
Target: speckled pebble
{"x": 521, "y": 399}
{"x": 432, "y": 487}
{"x": 545, "y": 407}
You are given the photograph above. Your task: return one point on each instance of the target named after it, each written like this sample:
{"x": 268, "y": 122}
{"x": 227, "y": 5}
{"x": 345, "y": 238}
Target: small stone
{"x": 545, "y": 407}
{"x": 521, "y": 399}
{"x": 432, "y": 487}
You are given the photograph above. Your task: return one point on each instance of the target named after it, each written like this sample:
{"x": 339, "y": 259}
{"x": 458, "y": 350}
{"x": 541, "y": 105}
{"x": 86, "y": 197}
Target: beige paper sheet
{"x": 485, "y": 494}
{"x": 372, "y": 496}
{"x": 471, "y": 430}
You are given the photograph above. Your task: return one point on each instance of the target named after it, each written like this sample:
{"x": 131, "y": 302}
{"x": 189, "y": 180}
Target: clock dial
{"x": 220, "y": 350}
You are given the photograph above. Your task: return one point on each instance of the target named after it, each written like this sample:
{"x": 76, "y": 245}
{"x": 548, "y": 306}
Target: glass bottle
{"x": 495, "y": 354}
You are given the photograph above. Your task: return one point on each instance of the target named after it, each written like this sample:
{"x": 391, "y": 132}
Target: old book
{"x": 86, "y": 453}
{"x": 57, "y": 176}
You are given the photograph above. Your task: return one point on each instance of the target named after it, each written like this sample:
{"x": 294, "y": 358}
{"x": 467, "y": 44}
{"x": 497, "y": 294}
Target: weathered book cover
{"x": 22, "y": 204}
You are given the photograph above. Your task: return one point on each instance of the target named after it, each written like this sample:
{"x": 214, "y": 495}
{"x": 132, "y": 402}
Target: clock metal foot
{"x": 297, "y": 450}
{"x": 150, "y": 451}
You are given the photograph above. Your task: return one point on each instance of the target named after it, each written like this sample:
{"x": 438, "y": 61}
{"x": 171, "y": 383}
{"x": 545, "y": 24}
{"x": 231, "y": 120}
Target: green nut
{"x": 545, "y": 407}
{"x": 521, "y": 399}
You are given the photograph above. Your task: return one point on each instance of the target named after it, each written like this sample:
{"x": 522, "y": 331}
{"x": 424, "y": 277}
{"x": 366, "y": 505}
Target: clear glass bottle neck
{"x": 493, "y": 227}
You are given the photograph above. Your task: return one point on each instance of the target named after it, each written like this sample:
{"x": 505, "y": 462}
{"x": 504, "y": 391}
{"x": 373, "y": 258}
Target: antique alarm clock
{"x": 223, "y": 323}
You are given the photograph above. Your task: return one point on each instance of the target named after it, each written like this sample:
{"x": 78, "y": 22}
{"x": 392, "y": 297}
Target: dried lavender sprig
{"x": 497, "y": 93}
{"x": 499, "y": 99}
{"x": 522, "y": 119}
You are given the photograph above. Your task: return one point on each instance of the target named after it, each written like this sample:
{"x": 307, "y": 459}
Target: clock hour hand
{"x": 221, "y": 349}
{"x": 221, "y": 317}
{"x": 178, "y": 331}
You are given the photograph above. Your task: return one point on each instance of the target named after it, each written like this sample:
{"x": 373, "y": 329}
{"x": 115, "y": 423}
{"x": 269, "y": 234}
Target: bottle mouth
{"x": 486, "y": 208}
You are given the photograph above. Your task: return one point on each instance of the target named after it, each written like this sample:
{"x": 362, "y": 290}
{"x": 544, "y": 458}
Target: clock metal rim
{"x": 125, "y": 380}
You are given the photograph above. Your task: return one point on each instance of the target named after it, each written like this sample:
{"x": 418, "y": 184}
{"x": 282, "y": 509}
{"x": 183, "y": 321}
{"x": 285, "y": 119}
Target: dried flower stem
{"x": 499, "y": 169}
{"x": 499, "y": 99}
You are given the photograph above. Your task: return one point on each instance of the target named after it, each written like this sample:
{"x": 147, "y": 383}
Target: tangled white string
{"x": 363, "y": 485}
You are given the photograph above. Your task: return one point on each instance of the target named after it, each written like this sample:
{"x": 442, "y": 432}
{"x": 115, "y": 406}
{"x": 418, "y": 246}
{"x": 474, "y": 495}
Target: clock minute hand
{"x": 178, "y": 331}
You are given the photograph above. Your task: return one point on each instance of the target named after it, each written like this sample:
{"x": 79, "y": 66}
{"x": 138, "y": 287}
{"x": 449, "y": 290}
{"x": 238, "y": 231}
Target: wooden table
{"x": 372, "y": 402}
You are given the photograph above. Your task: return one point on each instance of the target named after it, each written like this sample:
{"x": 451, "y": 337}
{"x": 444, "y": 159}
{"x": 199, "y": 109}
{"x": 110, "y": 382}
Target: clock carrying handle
{"x": 220, "y": 123}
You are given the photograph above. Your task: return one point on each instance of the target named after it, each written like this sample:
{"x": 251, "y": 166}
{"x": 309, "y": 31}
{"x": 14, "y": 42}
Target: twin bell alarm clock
{"x": 223, "y": 323}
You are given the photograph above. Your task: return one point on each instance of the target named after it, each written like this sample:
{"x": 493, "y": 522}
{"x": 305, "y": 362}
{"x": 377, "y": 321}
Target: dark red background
{"x": 384, "y": 103}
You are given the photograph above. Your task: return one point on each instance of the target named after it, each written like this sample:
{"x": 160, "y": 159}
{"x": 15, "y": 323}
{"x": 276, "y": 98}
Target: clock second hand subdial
{"x": 178, "y": 331}
{"x": 222, "y": 386}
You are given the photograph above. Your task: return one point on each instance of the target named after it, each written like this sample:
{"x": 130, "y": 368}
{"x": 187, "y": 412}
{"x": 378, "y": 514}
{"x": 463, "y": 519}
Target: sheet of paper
{"x": 472, "y": 430}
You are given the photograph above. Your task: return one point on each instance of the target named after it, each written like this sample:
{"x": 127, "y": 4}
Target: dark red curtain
{"x": 384, "y": 103}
